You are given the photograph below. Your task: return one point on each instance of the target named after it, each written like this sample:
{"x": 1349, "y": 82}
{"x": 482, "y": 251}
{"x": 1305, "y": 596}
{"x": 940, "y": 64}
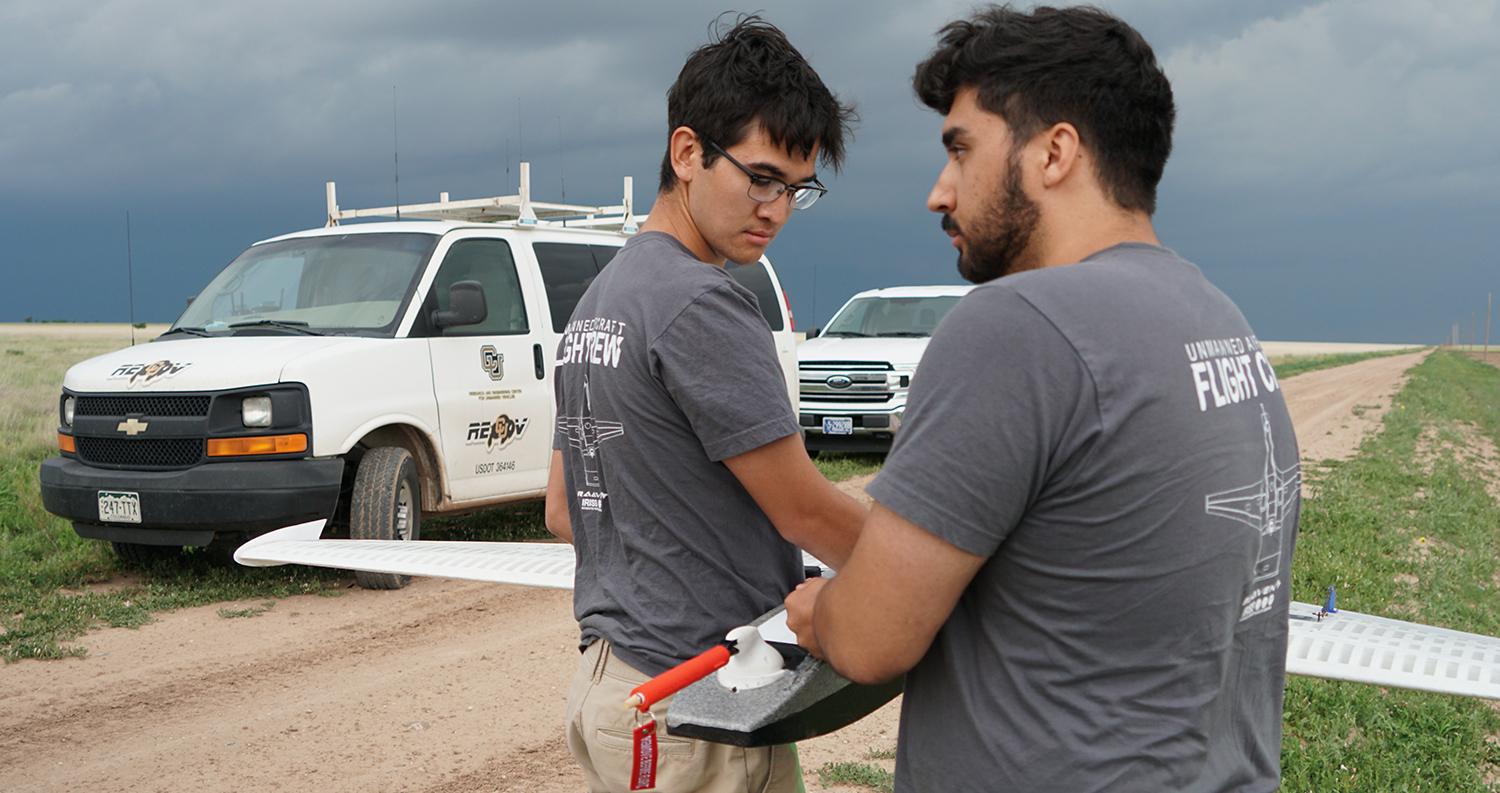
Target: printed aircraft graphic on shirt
{"x": 1324, "y": 642}
{"x": 585, "y": 433}
{"x": 1262, "y": 506}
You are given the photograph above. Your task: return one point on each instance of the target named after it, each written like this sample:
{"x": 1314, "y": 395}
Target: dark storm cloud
{"x": 1325, "y": 141}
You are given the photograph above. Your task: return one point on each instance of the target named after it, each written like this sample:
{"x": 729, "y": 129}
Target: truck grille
{"x": 152, "y": 405}
{"x": 141, "y": 452}
{"x": 867, "y": 382}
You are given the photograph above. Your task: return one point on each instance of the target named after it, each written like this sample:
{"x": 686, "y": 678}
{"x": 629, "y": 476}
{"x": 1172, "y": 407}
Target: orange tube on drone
{"x": 677, "y": 678}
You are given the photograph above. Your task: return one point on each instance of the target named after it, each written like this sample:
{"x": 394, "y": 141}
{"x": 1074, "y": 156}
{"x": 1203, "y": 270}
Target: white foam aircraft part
{"x": 1342, "y": 645}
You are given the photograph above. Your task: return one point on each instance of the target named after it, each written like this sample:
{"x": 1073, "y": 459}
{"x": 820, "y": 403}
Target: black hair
{"x": 1081, "y": 65}
{"x": 751, "y": 73}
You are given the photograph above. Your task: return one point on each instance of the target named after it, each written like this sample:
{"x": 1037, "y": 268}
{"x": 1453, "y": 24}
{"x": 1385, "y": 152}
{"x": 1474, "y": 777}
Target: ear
{"x": 686, "y": 153}
{"x": 1061, "y": 153}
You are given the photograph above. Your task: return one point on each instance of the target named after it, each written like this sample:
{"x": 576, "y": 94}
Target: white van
{"x": 368, "y": 374}
{"x": 855, "y": 374}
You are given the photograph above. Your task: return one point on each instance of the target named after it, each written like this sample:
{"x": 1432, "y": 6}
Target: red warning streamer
{"x": 678, "y": 677}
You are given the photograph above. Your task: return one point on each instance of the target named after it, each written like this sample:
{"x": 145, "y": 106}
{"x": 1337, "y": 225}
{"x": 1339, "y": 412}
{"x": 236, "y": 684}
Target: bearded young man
{"x": 1042, "y": 555}
{"x": 679, "y": 473}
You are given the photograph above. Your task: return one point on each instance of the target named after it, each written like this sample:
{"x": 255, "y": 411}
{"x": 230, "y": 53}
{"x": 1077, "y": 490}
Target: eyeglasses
{"x": 765, "y": 189}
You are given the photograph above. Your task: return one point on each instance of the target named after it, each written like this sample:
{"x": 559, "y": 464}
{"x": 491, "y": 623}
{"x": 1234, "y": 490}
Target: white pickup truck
{"x": 368, "y": 373}
{"x": 854, "y": 376}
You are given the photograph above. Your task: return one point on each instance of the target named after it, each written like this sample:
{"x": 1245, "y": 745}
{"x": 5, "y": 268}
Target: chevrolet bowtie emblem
{"x": 132, "y": 427}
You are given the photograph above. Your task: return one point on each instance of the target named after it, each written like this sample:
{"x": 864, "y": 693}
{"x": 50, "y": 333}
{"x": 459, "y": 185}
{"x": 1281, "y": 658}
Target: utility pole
{"x": 1489, "y": 309}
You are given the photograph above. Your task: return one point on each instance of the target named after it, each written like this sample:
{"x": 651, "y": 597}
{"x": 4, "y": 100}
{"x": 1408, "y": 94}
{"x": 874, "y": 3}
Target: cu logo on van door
{"x": 492, "y": 361}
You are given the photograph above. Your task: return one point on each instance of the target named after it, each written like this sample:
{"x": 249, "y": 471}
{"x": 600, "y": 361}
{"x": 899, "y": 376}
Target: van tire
{"x": 386, "y": 505}
{"x": 137, "y": 555}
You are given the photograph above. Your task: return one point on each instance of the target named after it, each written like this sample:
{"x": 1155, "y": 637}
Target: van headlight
{"x": 69, "y": 405}
{"x": 256, "y": 411}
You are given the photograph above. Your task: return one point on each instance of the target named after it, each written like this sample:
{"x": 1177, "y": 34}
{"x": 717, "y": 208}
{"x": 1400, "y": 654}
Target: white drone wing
{"x": 1346, "y": 645}
{"x": 1343, "y": 645}
{"x": 526, "y": 563}
{"x": 543, "y": 564}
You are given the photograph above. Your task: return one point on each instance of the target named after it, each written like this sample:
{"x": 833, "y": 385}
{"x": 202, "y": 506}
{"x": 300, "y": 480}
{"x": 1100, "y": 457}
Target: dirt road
{"x": 443, "y": 687}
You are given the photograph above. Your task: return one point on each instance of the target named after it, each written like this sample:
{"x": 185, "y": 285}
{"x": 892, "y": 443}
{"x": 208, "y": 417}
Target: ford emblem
{"x": 839, "y": 381}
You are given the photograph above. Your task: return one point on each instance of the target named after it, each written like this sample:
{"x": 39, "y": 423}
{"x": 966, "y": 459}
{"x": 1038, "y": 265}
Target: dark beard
{"x": 1003, "y": 232}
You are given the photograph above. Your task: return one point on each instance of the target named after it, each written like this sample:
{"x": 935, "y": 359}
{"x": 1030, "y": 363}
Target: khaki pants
{"x": 600, "y": 727}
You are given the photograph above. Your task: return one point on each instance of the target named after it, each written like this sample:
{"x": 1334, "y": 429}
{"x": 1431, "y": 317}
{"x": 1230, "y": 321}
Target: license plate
{"x": 838, "y": 425}
{"x": 119, "y": 507}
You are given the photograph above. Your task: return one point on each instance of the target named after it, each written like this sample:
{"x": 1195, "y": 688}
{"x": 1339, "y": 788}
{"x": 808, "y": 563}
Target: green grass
{"x": 857, "y": 774}
{"x": 250, "y": 611}
{"x": 47, "y": 573}
{"x": 838, "y": 466}
{"x": 1292, "y": 365}
{"x": 514, "y": 523}
{"x": 1406, "y": 529}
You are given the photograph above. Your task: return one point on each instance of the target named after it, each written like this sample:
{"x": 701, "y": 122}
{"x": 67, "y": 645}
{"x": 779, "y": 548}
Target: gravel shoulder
{"x": 443, "y": 687}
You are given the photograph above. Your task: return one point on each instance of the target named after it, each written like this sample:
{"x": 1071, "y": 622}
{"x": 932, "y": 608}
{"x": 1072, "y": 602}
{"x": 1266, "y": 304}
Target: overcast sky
{"x": 1334, "y": 171}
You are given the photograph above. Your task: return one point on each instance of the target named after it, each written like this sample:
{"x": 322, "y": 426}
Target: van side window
{"x": 753, "y": 276}
{"x": 489, "y": 262}
{"x": 567, "y": 271}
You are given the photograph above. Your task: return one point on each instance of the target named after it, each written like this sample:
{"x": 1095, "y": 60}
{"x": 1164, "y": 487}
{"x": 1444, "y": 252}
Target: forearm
{"x": 558, "y": 522}
{"x": 877, "y": 617}
{"x": 555, "y": 512}
{"x": 830, "y": 531}
{"x": 855, "y": 638}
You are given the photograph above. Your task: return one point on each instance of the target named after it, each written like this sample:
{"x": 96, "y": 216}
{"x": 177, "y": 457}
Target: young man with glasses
{"x": 678, "y": 470}
{"x": 1081, "y": 546}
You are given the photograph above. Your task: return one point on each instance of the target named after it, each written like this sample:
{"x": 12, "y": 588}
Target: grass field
{"x": 1406, "y": 529}
{"x": 46, "y": 570}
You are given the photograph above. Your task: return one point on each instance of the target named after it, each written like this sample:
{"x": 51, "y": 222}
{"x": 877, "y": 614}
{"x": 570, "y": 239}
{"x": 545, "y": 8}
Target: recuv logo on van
{"x": 496, "y": 434}
{"x": 146, "y": 373}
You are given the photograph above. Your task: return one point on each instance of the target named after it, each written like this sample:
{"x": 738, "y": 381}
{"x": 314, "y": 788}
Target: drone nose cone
{"x": 754, "y": 664}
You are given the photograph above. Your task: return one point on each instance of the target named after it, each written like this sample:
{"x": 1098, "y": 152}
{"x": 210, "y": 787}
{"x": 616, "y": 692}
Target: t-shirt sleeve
{"x": 718, "y": 362}
{"x": 998, "y": 399}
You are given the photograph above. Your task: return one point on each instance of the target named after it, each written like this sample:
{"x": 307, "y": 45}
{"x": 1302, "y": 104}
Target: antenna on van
{"x": 395, "y": 152}
{"x": 130, "y": 277}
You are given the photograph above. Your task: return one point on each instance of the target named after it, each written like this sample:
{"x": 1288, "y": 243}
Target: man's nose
{"x": 940, "y": 199}
{"x": 776, "y": 212}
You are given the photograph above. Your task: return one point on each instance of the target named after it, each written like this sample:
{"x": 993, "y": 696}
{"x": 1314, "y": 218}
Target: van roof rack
{"x": 518, "y": 209}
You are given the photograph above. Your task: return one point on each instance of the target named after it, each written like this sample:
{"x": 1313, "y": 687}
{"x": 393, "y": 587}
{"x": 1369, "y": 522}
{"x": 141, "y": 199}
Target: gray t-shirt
{"x": 1110, "y": 436}
{"x": 666, "y": 369}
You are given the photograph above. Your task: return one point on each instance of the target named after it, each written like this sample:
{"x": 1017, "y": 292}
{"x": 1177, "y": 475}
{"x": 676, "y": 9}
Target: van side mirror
{"x": 812, "y": 333}
{"x": 466, "y": 306}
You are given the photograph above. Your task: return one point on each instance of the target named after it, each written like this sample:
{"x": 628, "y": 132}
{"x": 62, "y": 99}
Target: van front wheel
{"x": 386, "y": 505}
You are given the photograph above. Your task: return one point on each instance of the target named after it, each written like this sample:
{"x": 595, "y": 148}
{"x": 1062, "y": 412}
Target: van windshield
{"x": 354, "y": 284}
{"x": 891, "y": 316}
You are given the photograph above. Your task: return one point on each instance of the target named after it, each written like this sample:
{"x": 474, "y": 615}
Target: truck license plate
{"x": 119, "y": 507}
{"x": 838, "y": 425}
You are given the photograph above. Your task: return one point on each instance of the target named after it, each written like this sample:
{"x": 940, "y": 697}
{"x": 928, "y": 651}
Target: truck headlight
{"x": 68, "y": 406}
{"x": 256, "y": 411}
